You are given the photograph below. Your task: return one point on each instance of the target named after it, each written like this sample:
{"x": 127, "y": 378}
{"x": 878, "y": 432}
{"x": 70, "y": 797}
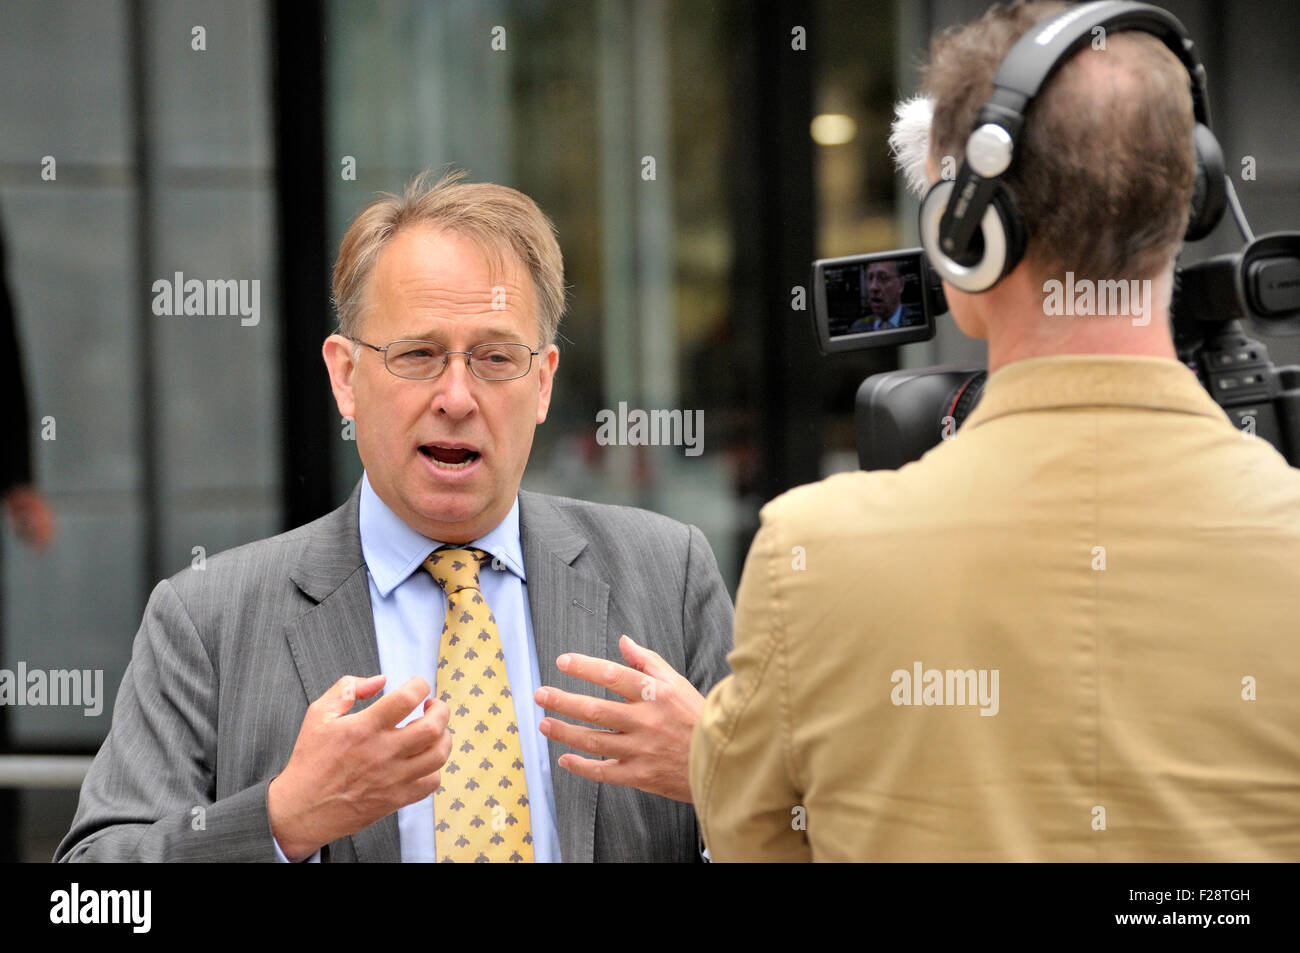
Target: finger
{"x": 422, "y": 733}
{"x": 397, "y": 704}
{"x": 609, "y": 771}
{"x": 619, "y": 679}
{"x": 368, "y": 687}
{"x": 424, "y": 762}
{"x": 437, "y": 713}
{"x": 645, "y": 660}
{"x": 606, "y": 744}
{"x": 343, "y": 694}
{"x": 616, "y": 716}
{"x": 421, "y": 788}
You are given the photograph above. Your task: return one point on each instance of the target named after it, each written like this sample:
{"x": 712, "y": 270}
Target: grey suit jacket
{"x": 228, "y": 658}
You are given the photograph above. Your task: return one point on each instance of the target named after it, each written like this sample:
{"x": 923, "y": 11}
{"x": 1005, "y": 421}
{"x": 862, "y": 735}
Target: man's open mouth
{"x": 449, "y": 458}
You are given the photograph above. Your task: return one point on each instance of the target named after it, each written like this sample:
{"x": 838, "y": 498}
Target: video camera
{"x": 894, "y": 297}
{"x": 973, "y": 234}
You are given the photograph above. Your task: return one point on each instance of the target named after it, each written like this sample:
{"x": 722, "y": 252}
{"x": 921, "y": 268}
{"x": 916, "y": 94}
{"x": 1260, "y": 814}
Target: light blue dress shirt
{"x": 409, "y": 609}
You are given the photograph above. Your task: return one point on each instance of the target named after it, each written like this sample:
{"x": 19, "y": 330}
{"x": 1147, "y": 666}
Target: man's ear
{"x": 337, "y": 352}
{"x": 548, "y": 360}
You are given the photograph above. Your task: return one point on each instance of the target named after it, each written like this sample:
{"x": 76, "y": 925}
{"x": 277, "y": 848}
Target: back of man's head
{"x": 1105, "y": 166}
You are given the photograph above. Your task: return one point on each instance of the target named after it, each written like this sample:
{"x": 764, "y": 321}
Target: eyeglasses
{"x": 425, "y": 360}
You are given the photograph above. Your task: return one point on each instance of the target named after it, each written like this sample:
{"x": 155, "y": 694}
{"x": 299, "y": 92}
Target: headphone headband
{"x": 1042, "y": 51}
{"x": 956, "y": 225}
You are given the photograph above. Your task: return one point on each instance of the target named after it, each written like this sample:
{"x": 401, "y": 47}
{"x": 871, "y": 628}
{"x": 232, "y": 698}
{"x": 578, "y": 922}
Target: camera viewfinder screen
{"x": 879, "y": 295}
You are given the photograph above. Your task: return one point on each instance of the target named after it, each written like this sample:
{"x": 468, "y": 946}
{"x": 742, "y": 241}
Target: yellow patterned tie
{"x": 481, "y": 809}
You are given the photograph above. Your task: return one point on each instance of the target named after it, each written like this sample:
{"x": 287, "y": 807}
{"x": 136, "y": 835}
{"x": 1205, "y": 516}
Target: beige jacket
{"x": 1071, "y": 633}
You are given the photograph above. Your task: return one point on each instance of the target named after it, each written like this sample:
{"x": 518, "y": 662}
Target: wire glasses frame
{"x": 427, "y": 360}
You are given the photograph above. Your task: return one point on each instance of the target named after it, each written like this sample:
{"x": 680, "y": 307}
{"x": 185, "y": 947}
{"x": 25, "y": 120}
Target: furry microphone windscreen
{"x": 909, "y": 140}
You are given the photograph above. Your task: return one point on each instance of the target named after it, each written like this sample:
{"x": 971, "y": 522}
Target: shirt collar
{"x": 393, "y": 550}
{"x": 1092, "y": 380}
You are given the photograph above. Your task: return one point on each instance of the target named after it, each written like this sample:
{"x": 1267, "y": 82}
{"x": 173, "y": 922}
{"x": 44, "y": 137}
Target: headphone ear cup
{"x": 1210, "y": 192}
{"x": 933, "y": 204}
{"x": 1001, "y": 235}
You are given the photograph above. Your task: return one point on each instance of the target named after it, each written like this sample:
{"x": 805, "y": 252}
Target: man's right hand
{"x": 349, "y": 770}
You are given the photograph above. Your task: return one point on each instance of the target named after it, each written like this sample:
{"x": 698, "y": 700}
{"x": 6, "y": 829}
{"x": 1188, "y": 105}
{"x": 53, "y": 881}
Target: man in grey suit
{"x": 250, "y": 724}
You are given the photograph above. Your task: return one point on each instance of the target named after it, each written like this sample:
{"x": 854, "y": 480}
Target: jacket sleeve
{"x": 742, "y": 767}
{"x": 149, "y": 793}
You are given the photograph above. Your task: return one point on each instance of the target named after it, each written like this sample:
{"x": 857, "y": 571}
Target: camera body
{"x": 857, "y": 304}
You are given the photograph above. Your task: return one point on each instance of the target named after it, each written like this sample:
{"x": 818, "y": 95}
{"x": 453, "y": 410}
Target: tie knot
{"x": 455, "y": 569}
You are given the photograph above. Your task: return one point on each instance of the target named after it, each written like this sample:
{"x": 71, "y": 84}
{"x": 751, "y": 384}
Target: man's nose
{"x": 454, "y": 388}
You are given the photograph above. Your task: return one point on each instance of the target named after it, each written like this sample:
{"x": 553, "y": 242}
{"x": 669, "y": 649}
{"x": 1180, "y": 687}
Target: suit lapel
{"x": 568, "y": 609}
{"x": 336, "y": 636}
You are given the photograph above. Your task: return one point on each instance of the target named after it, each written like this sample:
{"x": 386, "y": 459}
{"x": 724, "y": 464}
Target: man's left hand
{"x": 646, "y": 740}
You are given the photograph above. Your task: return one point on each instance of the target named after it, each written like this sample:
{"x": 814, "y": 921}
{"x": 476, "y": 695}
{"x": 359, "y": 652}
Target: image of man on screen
{"x": 884, "y": 298}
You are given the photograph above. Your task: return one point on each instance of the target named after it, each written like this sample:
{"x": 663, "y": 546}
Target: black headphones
{"x": 978, "y": 238}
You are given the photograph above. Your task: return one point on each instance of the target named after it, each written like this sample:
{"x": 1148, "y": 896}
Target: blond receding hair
{"x": 500, "y": 220}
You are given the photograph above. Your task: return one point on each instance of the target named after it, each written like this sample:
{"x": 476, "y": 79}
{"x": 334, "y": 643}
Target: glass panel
{"x": 211, "y": 107}
{"x": 65, "y": 88}
{"x": 216, "y": 373}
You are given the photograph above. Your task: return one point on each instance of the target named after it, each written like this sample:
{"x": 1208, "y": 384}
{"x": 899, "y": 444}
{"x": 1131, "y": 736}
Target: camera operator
{"x": 1068, "y": 633}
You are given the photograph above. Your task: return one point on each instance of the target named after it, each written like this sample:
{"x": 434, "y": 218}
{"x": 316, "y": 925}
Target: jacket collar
{"x": 334, "y": 552}
{"x": 543, "y": 529}
{"x": 1092, "y": 380}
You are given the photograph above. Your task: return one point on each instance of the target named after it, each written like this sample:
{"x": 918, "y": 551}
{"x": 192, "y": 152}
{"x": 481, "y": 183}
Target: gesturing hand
{"x": 32, "y": 516}
{"x": 648, "y": 738}
{"x": 349, "y": 770}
